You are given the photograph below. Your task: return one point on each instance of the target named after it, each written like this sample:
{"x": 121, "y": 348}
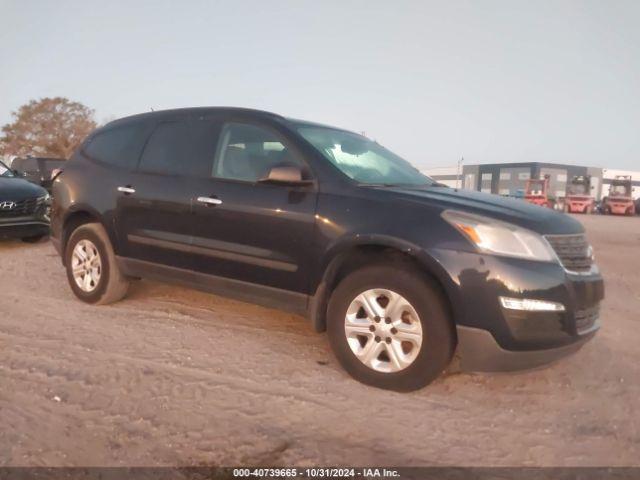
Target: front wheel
{"x": 389, "y": 327}
{"x": 92, "y": 271}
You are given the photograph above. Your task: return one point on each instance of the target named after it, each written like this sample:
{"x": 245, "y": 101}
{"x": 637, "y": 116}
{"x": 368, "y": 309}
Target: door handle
{"x": 127, "y": 190}
{"x": 210, "y": 200}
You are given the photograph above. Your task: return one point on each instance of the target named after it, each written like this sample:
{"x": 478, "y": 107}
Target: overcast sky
{"x": 495, "y": 81}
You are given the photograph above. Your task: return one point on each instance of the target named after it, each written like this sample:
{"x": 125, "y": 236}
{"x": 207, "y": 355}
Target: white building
{"x": 445, "y": 175}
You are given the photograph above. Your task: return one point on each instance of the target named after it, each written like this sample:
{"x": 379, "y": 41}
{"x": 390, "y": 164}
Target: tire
{"x": 33, "y": 239}
{"x": 438, "y": 334}
{"x": 111, "y": 285}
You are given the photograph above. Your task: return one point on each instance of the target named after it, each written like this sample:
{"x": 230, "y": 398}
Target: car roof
{"x": 48, "y": 159}
{"x": 176, "y": 112}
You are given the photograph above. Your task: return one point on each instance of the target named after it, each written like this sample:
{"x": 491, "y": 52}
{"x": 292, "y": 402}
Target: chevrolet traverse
{"x": 402, "y": 272}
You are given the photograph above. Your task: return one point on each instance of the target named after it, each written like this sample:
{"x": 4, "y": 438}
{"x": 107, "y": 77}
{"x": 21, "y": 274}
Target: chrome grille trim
{"x": 23, "y": 208}
{"x": 574, "y": 252}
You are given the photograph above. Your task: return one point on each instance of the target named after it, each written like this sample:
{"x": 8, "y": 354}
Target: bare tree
{"x": 49, "y": 127}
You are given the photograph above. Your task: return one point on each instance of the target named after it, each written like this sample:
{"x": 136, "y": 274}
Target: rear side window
{"x": 166, "y": 149}
{"x": 180, "y": 148}
{"x": 118, "y": 146}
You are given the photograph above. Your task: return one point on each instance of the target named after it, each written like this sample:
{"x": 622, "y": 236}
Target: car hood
{"x": 17, "y": 189}
{"x": 539, "y": 219}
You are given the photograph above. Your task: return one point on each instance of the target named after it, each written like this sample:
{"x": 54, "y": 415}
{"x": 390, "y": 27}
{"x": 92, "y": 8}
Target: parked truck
{"x": 620, "y": 199}
{"x": 537, "y": 192}
{"x": 579, "y": 199}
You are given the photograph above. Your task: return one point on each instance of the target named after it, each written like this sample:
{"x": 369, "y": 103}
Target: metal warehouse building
{"x": 510, "y": 178}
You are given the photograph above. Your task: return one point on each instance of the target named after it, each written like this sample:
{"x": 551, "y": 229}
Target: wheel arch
{"x": 77, "y": 216}
{"x": 359, "y": 251}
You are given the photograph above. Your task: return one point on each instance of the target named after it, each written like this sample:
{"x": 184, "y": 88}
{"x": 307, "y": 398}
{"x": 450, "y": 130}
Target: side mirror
{"x": 285, "y": 175}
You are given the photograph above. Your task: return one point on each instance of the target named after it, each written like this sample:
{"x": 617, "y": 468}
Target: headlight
{"x": 44, "y": 203}
{"x": 500, "y": 238}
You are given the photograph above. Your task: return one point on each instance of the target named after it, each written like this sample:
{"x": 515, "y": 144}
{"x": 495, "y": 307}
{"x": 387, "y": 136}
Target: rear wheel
{"x": 389, "y": 328}
{"x": 92, "y": 271}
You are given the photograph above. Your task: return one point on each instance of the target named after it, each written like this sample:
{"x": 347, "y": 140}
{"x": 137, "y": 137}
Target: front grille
{"x": 23, "y": 208}
{"x": 585, "y": 319}
{"x": 574, "y": 251}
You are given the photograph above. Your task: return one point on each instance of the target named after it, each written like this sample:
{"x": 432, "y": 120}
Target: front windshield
{"x": 5, "y": 171}
{"x": 619, "y": 190}
{"x": 536, "y": 188}
{"x": 362, "y": 159}
{"x": 578, "y": 189}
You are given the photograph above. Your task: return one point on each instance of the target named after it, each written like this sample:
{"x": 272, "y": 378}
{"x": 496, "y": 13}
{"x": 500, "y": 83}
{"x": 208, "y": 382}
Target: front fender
{"x": 337, "y": 253}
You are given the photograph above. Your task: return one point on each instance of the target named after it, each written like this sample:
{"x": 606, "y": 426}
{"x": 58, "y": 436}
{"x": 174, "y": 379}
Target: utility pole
{"x": 458, "y": 173}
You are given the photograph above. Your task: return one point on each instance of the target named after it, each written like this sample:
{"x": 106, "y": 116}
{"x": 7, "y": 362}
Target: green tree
{"x": 49, "y": 127}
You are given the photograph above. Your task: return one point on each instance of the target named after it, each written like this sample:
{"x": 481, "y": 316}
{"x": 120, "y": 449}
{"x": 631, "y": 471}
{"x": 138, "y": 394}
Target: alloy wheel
{"x": 383, "y": 330}
{"x": 86, "y": 265}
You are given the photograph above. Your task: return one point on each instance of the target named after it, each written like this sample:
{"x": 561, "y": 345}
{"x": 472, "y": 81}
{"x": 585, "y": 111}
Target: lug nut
{"x": 387, "y": 320}
{"x": 376, "y": 319}
{"x": 388, "y": 339}
{"x": 377, "y": 338}
{"x": 394, "y": 330}
{"x": 372, "y": 328}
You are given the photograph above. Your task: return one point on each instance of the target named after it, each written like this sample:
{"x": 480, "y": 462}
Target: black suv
{"x": 24, "y": 207}
{"x": 400, "y": 271}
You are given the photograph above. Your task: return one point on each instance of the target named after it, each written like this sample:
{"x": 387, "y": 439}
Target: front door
{"x": 252, "y": 231}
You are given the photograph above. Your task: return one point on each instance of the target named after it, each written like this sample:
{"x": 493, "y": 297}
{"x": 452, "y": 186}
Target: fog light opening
{"x": 530, "y": 305}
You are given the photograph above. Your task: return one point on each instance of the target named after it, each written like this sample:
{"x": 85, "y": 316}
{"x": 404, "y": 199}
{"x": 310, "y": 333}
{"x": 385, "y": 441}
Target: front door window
{"x": 247, "y": 153}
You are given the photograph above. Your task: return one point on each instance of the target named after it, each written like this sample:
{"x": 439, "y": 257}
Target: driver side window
{"x": 247, "y": 152}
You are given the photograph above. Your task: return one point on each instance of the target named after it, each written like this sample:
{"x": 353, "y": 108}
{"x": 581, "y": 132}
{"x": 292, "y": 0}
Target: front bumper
{"x": 578, "y": 207}
{"x": 23, "y": 228}
{"x": 479, "y": 352}
{"x": 491, "y": 337}
{"x": 622, "y": 208}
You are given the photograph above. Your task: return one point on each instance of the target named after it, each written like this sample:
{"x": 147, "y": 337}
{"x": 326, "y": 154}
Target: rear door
{"x": 154, "y": 210}
{"x": 247, "y": 230}
{"x": 112, "y": 154}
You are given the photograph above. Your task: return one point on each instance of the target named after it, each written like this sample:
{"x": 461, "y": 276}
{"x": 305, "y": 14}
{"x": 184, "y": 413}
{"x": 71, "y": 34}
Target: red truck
{"x": 537, "y": 192}
{"x": 620, "y": 199}
{"x": 579, "y": 199}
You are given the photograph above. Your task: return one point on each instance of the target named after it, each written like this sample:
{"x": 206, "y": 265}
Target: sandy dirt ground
{"x": 171, "y": 376}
